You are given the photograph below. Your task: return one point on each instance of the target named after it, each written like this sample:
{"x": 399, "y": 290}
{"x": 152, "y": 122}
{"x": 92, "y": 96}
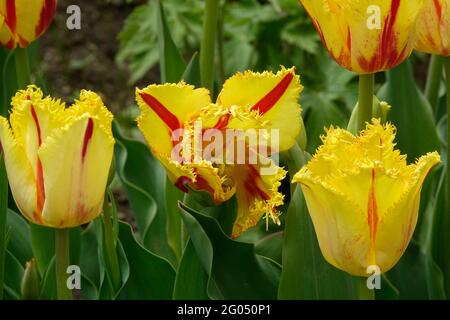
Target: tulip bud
{"x": 380, "y": 111}
{"x": 31, "y": 282}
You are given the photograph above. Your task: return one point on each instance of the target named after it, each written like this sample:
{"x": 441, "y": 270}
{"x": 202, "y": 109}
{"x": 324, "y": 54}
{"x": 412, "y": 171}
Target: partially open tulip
{"x": 363, "y": 197}
{"x": 433, "y": 28}
{"x": 23, "y": 21}
{"x": 57, "y": 159}
{"x": 366, "y": 36}
{"x": 248, "y": 101}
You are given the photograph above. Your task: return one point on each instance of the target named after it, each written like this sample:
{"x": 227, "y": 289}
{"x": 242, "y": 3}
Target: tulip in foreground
{"x": 23, "y": 21}
{"x": 363, "y": 197}
{"x": 366, "y": 36}
{"x": 433, "y": 28}
{"x": 248, "y": 101}
{"x": 57, "y": 159}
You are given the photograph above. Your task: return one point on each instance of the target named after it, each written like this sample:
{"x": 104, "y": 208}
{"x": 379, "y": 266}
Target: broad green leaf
{"x": 416, "y": 276}
{"x": 192, "y": 280}
{"x": 43, "y": 244}
{"x": 174, "y": 223}
{"x": 20, "y": 242}
{"x": 13, "y": 274}
{"x": 144, "y": 178}
{"x": 171, "y": 62}
{"x": 411, "y": 113}
{"x": 48, "y": 284}
{"x": 235, "y": 270}
{"x": 192, "y": 73}
{"x": 150, "y": 277}
{"x": 271, "y": 246}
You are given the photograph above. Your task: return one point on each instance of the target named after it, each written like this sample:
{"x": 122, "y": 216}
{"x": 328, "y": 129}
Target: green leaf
{"x": 43, "y": 244}
{"x": 48, "y": 284}
{"x": 171, "y": 62}
{"x": 192, "y": 73}
{"x": 174, "y": 223}
{"x": 416, "y": 276}
{"x": 192, "y": 280}
{"x": 13, "y": 274}
{"x": 20, "y": 241}
{"x": 410, "y": 111}
{"x": 235, "y": 270}
{"x": 144, "y": 178}
{"x": 271, "y": 246}
{"x": 150, "y": 277}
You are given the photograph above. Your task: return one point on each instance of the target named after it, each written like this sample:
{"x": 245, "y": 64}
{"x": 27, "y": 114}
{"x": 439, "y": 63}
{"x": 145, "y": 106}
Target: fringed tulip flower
{"x": 363, "y": 197}
{"x": 57, "y": 159}
{"x": 248, "y": 101}
{"x": 23, "y": 21}
{"x": 366, "y": 36}
{"x": 433, "y": 28}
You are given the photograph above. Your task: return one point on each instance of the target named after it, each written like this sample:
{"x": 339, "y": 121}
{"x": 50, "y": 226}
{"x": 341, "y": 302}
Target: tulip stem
{"x": 22, "y": 67}
{"x": 447, "y": 78}
{"x": 3, "y": 216}
{"x": 365, "y": 102}
{"x": 62, "y": 262}
{"x": 434, "y": 80}
{"x": 110, "y": 244}
{"x": 208, "y": 45}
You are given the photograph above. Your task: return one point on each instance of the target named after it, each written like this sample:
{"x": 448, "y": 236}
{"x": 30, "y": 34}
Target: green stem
{"x": 110, "y": 244}
{"x": 365, "y": 102}
{"x": 62, "y": 262}
{"x": 220, "y": 42}
{"x": 209, "y": 43}
{"x": 22, "y": 67}
{"x": 447, "y": 78}
{"x": 3, "y": 213}
{"x": 434, "y": 80}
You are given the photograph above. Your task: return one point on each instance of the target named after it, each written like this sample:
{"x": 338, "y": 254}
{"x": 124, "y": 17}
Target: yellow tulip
{"x": 366, "y": 36}
{"x": 248, "y": 101}
{"x": 363, "y": 197}
{"x": 57, "y": 159}
{"x": 23, "y": 21}
{"x": 433, "y": 28}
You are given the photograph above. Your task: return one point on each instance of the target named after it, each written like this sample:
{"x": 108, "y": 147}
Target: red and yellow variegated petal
{"x": 257, "y": 194}
{"x": 6, "y": 37}
{"x": 164, "y": 109}
{"x": 374, "y": 49}
{"x": 33, "y": 118}
{"x": 332, "y": 26}
{"x": 27, "y": 20}
{"x": 20, "y": 174}
{"x": 76, "y": 160}
{"x": 433, "y": 28}
{"x": 214, "y": 181}
{"x": 271, "y": 98}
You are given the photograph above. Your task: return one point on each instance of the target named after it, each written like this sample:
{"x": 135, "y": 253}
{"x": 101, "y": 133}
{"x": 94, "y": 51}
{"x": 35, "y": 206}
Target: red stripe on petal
{"x": 38, "y": 127}
{"x": 11, "y": 18}
{"x": 163, "y": 113}
{"x": 40, "y": 187}
{"x": 223, "y": 121}
{"x": 87, "y": 137}
{"x": 47, "y": 12}
{"x": 267, "y": 103}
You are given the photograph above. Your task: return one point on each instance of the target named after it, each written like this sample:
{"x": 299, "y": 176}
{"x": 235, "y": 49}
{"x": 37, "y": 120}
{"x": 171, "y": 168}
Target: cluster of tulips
{"x": 362, "y": 195}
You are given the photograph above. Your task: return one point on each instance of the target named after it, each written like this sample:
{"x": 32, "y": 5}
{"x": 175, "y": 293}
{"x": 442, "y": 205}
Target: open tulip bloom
{"x": 363, "y": 198}
{"x": 23, "y": 21}
{"x": 248, "y": 101}
{"x": 57, "y": 159}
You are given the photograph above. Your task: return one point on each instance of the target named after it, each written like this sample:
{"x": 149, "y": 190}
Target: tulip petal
{"x": 20, "y": 174}
{"x": 399, "y": 221}
{"x": 76, "y": 161}
{"x": 164, "y": 109}
{"x": 270, "y": 97}
{"x": 256, "y": 193}
{"x": 433, "y": 28}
